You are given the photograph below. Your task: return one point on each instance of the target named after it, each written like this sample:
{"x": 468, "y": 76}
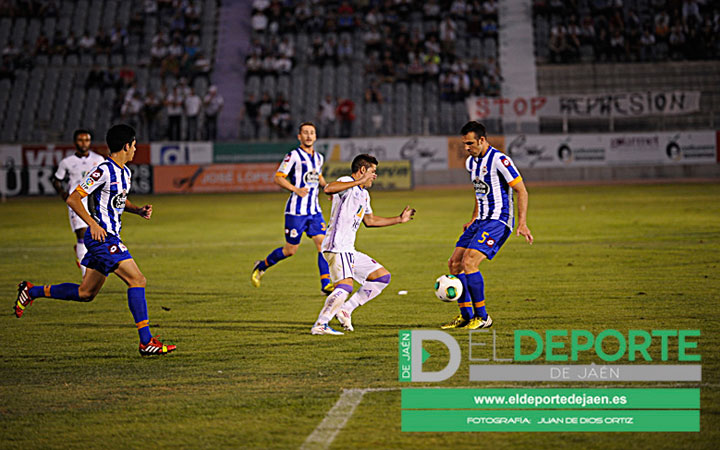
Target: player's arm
{"x": 143, "y": 211}
{"x": 522, "y": 202}
{"x": 371, "y": 220}
{"x": 74, "y": 201}
{"x": 281, "y": 181}
{"x": 339, "y": 186}
{"x": 322, "y": 181}
{"x": 474, "y": 215}
{"x": 59, "y": 188}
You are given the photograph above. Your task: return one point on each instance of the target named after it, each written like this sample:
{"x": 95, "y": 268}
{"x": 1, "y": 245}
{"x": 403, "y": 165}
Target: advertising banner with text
{"x": 426, "y": 153}
{"x": 215, "y": 178}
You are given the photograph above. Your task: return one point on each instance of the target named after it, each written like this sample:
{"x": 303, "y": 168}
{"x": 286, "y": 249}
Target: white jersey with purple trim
{"x": 348, "y": 209}
{"x": 108, "y": 186}
{"x": 75, "y": 169}
{"x": 493, "y": 177}
{"x": 302, "y": 170}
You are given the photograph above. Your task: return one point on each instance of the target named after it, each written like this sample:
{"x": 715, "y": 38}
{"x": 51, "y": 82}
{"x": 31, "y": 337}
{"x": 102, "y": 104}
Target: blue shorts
{"x": 104, "y": 256}
{"x": 295, "y": 226}
{"x": 485, "y": 236}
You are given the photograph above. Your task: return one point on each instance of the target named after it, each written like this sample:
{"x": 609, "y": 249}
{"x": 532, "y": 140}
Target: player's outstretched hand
{"x": 302, "y": 192}
{"x": 523, "y": 230}
{"x": 407, "y": 214}
{"x": 145, "y": 212}
{"x": 366, "y": 177}
{"x": 97, "y": 232}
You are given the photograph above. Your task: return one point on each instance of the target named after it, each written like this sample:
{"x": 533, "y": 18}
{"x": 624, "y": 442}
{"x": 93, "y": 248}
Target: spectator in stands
{"x": 618, "y": 47}
{"x": 387, "y": 68}
{"x": 329, "y": 51}
{"x": 201, "y": 67}
{"x": 158, "y": 52}
{"x": 326, "y": 116}
{"x": 95, "y": 78}
{"x": 265, "y": 109}
{"x": 192, "y": 104}
{"x": 448, "y": 33}
{"x": 102, "y": 43}
{"x": 345, "y": 16}
{"x": 132, "y": 110}
{"x": 254, "y": 65}
{"x": 11, "y": 51}
{"x": 150, "y": 7}
{"x": 345, "y": 50}
{"x": 690, "y": 8}
{"x": 86, "y": 43}
{"x": 372, "y": 93}
{"x": 431, "y": 10}
{"x": 647, "y": 46}
{"x": 558, "y": 46}
{"x": 212, "y": 106}
{"x": 42, "y": 45}
{"x": 151, "y": 113}
{"x": 252, "y": 114}
{"x": 346, "y": 114}
{"x": 174, "y": 109}
{"x": 119, "y": 40}
{"x": 259, "y": 22}
{"x": 280, "y": 121}
{"x": 676, "y": 40}
{"x": 71, "y": 44}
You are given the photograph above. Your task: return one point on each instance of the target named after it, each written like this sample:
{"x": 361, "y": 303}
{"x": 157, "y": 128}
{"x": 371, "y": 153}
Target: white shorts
{"x": 75, "y": 221}
{"x": 356, "y": 265}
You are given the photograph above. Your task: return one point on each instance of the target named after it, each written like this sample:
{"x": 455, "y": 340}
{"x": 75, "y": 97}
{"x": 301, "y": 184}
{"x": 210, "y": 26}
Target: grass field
{"x": 247, "y": 372}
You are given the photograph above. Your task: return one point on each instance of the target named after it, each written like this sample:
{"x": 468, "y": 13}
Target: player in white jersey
{"x": 300, "y": 173}
{"x": 494, "y": 178}
{"x": 108, "y": 185}
{"x": 73, "y": 169}
{"x": 350, "y": 207}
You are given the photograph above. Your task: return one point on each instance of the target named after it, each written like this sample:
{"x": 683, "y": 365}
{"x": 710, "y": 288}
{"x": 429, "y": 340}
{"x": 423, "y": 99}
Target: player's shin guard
{"x": 333, "y": 302}
{"x": 273, "y": 258}
{"x": 64, "y": 291}
{"x": 477, "y": 292}
{"x": 324, "y": 272}
{"x": 464, "y": 301}
{"x": 80, "y": 251}
{"x": 368, "y": 291}
{"x": 138, "y": 308}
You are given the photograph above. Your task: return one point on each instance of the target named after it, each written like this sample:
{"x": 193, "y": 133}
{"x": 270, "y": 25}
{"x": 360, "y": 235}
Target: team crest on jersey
{"x": 311, "y": 177}
{"x": 118, "y": 201}
{"x": 481, "y": 187}
{"x": 97, "y": 173}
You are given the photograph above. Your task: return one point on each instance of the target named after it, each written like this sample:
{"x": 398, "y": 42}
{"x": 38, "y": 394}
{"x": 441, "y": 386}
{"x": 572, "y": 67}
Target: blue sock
{"x": 138, "y": 308}
{"x": 324, "y": 271}
{"x": 477, "y": 292}
{"x": 464, "y": 302}
{"x": 64, "y": 291}
{"x": 273, "y": 258}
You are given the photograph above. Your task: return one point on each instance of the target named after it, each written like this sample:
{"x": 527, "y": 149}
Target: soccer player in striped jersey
{"x": 73, "y": 168}
{"x": 350, "y": 207}
{"x": 494, "y": 178}
{"x": 107, "y": 186}
{"x": 300, "y": 173}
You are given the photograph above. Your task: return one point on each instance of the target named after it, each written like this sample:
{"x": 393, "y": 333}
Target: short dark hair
{"x": 80, "y": 131}
{"x": 474, "y": 127}
{"x": 363, "y": 160}
{"x": 119, "y": 135}
{"x": 306, "y": 124}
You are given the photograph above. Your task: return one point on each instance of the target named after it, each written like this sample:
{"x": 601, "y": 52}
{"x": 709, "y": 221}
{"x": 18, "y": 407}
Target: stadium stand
{"x": 79, "y": 63}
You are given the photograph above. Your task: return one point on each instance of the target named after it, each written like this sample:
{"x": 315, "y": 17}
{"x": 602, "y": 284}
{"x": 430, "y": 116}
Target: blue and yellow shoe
{"x": 478, "y": 322}
{"x": 256, "y": 274}
{"x": 457, "y": 322}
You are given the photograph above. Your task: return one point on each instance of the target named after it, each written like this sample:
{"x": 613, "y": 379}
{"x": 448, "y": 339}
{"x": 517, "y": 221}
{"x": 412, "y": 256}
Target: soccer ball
{"x": 448, "y": 288}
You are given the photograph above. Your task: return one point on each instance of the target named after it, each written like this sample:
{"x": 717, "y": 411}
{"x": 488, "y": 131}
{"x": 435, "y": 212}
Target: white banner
{"x": 180, "y": 153}
{"x": 426, "y": 153}
{"x": 612, "y": 149}
{"x": 574, "y": 106}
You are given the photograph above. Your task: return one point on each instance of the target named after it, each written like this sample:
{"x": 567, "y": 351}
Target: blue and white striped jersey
{"x": 108, "y": 185}
{"x": 493, "y": 176}
{"x": 302, "y": 170}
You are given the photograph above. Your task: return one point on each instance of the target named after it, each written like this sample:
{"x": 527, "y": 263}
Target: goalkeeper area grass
{"x": 248, "y": 373}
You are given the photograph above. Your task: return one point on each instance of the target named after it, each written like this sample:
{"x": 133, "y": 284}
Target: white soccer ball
{"x": 448, "y": 288}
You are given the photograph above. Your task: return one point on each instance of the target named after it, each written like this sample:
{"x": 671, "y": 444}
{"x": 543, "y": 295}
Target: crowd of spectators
{"x": 173, "y": 112}
{"x": 271, "y": 112}
{"x": 403, "y": 41}
{"x": 665, "y": 30}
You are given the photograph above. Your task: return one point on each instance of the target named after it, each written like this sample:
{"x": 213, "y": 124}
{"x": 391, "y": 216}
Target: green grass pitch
{"x": 247, "y": 372}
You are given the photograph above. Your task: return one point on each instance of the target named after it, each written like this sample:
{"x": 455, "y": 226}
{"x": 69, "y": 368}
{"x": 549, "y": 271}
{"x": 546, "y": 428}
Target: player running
{"x": 107, "y": 186}
{"x": 73, "y": 168}
{"x": 494, "y": 177}
{"x": 301, "y": 174}
{"x": 350, "y": 206}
